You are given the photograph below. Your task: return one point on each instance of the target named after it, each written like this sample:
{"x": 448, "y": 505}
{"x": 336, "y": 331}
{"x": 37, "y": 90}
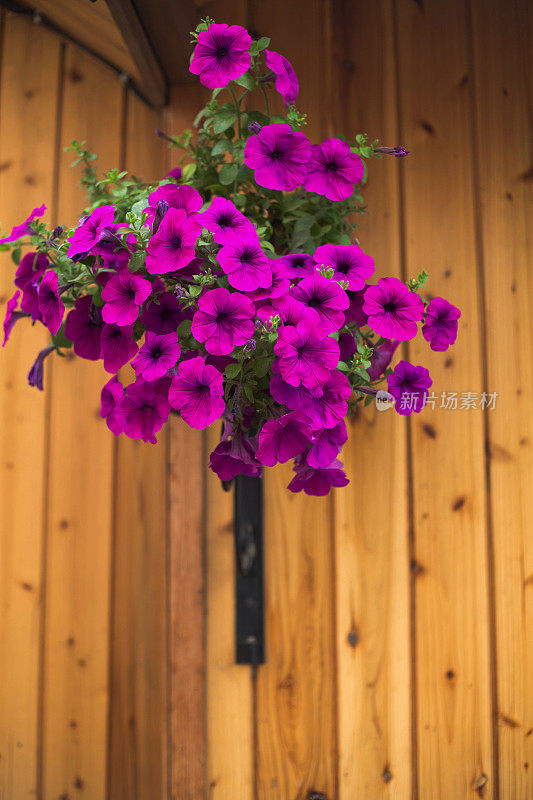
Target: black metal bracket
{"x": 249, "y": 602}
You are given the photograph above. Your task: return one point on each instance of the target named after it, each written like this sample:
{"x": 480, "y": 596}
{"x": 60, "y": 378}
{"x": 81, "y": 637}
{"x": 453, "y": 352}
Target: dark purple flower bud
{"x": 108, "y": 237}
{"x": 163, "y": 135}
{"x": 398, "y": 152}
{"x": 160, "y": 211}
{"x": 254, "y": 127}
{"x": 250, "y": 346}
{"x": 36, "y": 373}
{"x": 56, "y": 233}
{"x": 269, "y": 77}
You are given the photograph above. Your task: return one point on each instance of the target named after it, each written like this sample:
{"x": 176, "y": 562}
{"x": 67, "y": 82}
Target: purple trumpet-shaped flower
{"x": 381, "y": 358}
{"x": 83, "y": 327}
{"x": 145, "y": 408}
{"x": 296, "y": 398}
{"x": 348, "y": 262}
{"x": 283, "y": 438}
{"x": 110, "y": 405}
{"x": 398, "y": 151}
{"x": 51, "y": 306}
{"x": 158, "y": 354}
{"x": 123, "y": 295}
{"x": 172, "y": 247}
{"x": 175, "y": 173}
{"x": 12, "y": 315}
{"x": 234, "y": 455}
{"x": 118, "y": 346}
{"x": 306, "y": 355}
{"x": 223, "y": 321}
{"x": 326, "y": 410}
{"x": 30, "y": 301}
{"x": 221, "y": 55}
{"x": 325, "y": 298}
{"x": 286, "y": 80}
{"x": 327, "y": 445}
{"x": 317, "y": 482}
{"x": 347, "y": 346}
{"x": 23, "y": 230}
{"x": 245, "y": 264}
{"x": 88, "y": 232}
{"x": 289, "y": 310}
{"x": 254, "y": 127}
{"x": 299, "y": 265}
{"x": 163, "y": 314}
{"x": 355, "y": 311}
{"x": 226, "y": 222}
{"x": 280, "y": 283}
{"x": 409, "y": 386}
{"x": 393, "y": 311}
{"x": 279, "y": 156}
{"x": 184, "y": 197}
{"x": 36, "y": 373}
{"x": 441, "y": 323}
{"x": 30, "y": 269}
{"x": 197, "y": 392}
{"x": 333, "y": 170}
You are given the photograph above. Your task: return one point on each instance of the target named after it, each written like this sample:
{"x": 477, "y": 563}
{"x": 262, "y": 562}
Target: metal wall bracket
{"x": 249, "y": 604}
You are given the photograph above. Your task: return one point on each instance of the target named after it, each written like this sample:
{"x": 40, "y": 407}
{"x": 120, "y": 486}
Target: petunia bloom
{"x": 146, "y": 409}
{"x": 110, "y": 405}
{"x": 286, "y": 80}
{"x": 185, "y": 197}
{"x": 197, "y": 392}
{"x": 12, "y": 315}
{"x": 163, "y": 314}
{"x": 325, "y": 298}
{"x": 158, "y": 354}
{"x": 30, "y": 269}
{"x": 234, "y": 455}
{"x": 298, "y": 265}
{"x": 221, "y": 55}
{"x": 36, "y": 373}
{"x": 23, "y": 230}
{"x": 279, "y": 156}
{"x": 409, "y": 386}
{"x": 348, "y": 262}
{"x": 392, "y": 309}
{"x": 175, "y": 173}
{"x": 355, "y": 313}
{"x": 283, "y": 438}
{"x": 327, "y": 445}
{"x": 280, "y": 283}
{"x": 83, "y": 327}
{"x": 225, "y": 221}
{"x": 317, "y": 482}
{"x": 333, "y": 170}
{"x": 305, "y": 354}
{"x": 328, "y": 409}
{"x": 118, "y": 346}
{"x": 172, "y": 247}
{"x": 381, "y": 357}
{"x": 51, "y": 306}
{"x": 123, "y": 295}
{"x": 245, "y": 264}
{"x": 224, "y": 320}
{"x": 88, "y": 232}
{"x": 441, "y": 323}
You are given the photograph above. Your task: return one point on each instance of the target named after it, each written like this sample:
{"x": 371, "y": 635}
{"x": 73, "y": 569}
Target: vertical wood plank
{"x": 502, "y": 42}
{"x": 295, "y": 697}
{"x": 371, "y": 514}
{"x": 28, "y": 103}
{"x": 138, "y": 712}
{"x": 453, "y": 664}
{"x": 80, "y": 509}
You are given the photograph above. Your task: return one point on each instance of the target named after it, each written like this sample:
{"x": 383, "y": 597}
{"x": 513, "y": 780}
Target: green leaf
{"x": 249, "y": 392}
{"x": 228, "y": 173}
{"x": 261, "y": 367}
{"x": 246, "y": 81}
{"x": 224, "y": 120}
{"x": 232, "y": 370}
{"x": 137, "y": 261}
{"x": 15, "y": 255}
{"x": 263, "y": 43}
{"x": 222, "y": 146}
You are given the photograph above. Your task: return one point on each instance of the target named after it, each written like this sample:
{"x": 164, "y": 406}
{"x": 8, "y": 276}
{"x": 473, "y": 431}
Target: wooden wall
{"x": 398, "y": 610}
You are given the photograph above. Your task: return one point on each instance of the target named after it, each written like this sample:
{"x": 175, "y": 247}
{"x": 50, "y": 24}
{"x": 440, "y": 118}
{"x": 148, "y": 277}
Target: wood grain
{"x": 502, "y": 100}
{"x": 453, "y": 666}
{"x": 373, "y": 623}
{"x": 29, "y": 98}
{"x": 80, "y": 513}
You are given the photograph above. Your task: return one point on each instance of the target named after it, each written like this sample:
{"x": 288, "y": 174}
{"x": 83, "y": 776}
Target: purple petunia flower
{"x": 347, "y": 346}
{"x": 23, "y": 230}
{"x": 279, "y": 156}
{"x": 298, "y": 265}
{"x": 172, "y": 247}
{"x": 286, "y": 80}
{"x": 317, "y": 482}
{"x": 234, "y": 455}
{"x": 145, "y": 409}
{"x": 51, "y": 306}
{"x": 223, "y": 321}
{"x": 392, "y": 309}
{"x": 158, "y": 354}
{"x": 289, "y": 310}
{"x": 163, "y": 314}
{"x": 409, "y": 386}
{"x": 221, "y": 55}
{"x": 175, "y": 173}
{"x": 333, "y": 170}
{"x": 12, "y": 315}
{"x": 280, "y": 283}
{"x": 355, "y": 311}
{"x": 327, "y": 445}
{"x": 31, "y": 267}
{"x": 117, "y": 346}
{"x": 381, "y": 358}
{"x": 330, "y": 407}
{"x": 245, "y": 264}
{"x": 36, "y": 373}
{"x": 184, "y": 197}
{"x": 197, "y": 392}
{"x": 123, "y": 295}
{"x": 305, "y": 354}
{"x": 83, "y": 327}
{"x": 295, "y": 398}
{"x": 30, "y": 301}
{"x": 441, "y": 323}
{"x": 110, "y": 405}
{"x": 348, "y": 262}
{"x": 225, "y": 222}
{"x": 88, "y": 232}
{"x": 325, "y": 298}
{"x": 283, "y": 438}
